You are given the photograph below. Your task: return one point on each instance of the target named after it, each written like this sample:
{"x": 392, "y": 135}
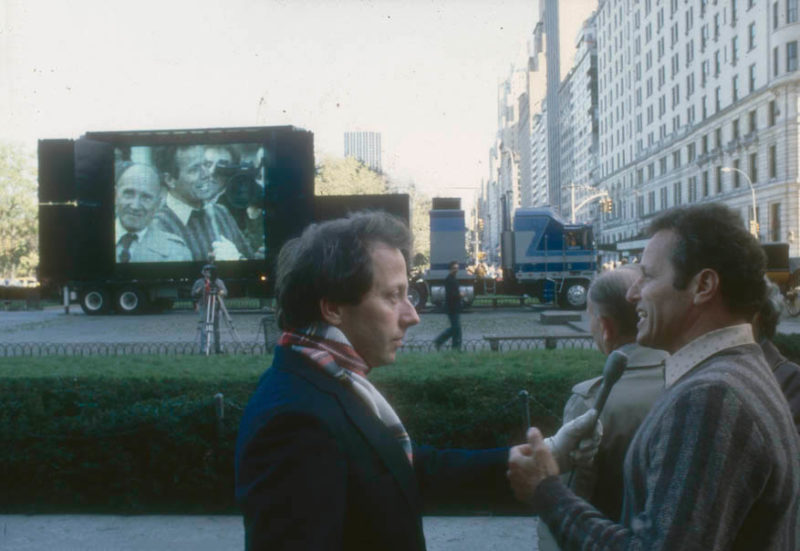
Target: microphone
{"x": 615, "y": 365}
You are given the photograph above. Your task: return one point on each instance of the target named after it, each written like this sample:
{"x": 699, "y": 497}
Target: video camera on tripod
{"x": 210, "y": 289}
{"x": 209, "y": 272}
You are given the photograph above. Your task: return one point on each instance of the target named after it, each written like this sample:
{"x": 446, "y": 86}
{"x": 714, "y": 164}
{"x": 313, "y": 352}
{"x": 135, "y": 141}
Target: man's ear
{"x": 331, "y": 312}
{"x": 168, "y": 180}
{"x": 610, "y": 332}
{"x": 705, "y": 286}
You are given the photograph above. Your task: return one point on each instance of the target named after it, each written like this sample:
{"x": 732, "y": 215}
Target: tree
{"x": 19, "y": 249}
{"x": 347, "y": 176}
{"x": 351, "y": 177}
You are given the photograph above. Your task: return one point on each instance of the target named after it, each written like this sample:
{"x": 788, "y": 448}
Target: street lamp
{"x": 595, "y": 195}
{"x": 753, "y": 222}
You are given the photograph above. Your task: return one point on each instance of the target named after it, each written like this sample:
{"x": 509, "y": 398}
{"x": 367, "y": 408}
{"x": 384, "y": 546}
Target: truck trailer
{"x": 115, "y": 210}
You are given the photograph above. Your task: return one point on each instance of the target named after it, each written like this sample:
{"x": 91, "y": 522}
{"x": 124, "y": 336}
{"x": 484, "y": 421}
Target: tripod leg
{"x": 229, "y": 322}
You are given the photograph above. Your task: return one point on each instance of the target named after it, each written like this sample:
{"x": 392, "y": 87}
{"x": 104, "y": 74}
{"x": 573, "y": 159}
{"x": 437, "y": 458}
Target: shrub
{"x": 141, "y": 434}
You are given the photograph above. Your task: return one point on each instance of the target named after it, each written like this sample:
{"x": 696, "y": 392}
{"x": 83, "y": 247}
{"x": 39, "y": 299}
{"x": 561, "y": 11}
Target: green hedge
{"x": 140, "y": 434}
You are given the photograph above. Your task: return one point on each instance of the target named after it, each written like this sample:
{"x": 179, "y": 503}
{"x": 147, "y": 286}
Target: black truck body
{"x": 268, "y": 182}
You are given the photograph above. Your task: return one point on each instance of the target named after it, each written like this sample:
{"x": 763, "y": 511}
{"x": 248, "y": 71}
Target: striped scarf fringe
{"x": 329, "y": 350}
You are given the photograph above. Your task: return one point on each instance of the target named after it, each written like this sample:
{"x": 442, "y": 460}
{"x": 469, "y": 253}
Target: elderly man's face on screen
{"x": 138, "y": 197}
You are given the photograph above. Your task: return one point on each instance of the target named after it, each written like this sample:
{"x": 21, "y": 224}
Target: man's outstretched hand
{"x": 529, "y": 464}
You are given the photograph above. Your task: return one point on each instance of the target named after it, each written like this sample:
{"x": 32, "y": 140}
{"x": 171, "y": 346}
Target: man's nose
{"x": 408, "y": 316}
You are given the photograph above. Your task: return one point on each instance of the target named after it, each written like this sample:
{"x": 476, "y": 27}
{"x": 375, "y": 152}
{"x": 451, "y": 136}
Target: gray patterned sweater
{"x": 715, "y": 465}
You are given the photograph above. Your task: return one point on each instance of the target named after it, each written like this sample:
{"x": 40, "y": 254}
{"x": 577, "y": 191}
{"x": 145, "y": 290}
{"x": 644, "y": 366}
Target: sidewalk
{"x": 223, "y": 533}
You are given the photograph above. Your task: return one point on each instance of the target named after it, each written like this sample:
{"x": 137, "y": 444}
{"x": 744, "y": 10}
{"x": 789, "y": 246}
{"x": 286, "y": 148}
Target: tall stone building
{"x": 698, "y": 101}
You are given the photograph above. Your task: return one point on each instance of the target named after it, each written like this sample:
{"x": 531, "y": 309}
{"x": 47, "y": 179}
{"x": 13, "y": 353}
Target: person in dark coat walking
{"x": 452, "y": 304}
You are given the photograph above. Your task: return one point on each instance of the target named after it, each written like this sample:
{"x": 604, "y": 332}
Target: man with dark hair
{"x": 612, "y": 323}
{"x": 322, "y": 459}
{"x": 786, "y": 372}
{"x": 452, "y": 305}
{"x": 190, "y": 211}
{"x": 716, "y": 463}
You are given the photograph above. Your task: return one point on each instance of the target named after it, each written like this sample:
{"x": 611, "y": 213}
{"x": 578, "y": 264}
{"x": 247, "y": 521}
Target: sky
{"x": 423, "y": 73}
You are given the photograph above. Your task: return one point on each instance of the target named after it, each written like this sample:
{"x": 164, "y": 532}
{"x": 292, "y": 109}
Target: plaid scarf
{"x": 329, "y": 350}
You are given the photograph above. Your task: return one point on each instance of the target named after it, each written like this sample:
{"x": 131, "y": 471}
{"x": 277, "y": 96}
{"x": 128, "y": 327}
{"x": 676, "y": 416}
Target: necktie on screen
{"x": 199, "y": 227}
{"x": 125, "y": 241}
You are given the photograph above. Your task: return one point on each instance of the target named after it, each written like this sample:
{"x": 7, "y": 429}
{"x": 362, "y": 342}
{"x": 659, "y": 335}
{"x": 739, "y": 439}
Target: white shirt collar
{"x": 705, "y": 346}
{"x": 182, "y": 210}
{"x": 120, "y": 229}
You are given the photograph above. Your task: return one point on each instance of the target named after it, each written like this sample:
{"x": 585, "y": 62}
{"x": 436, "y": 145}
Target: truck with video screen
{"x": 128, "y": 219}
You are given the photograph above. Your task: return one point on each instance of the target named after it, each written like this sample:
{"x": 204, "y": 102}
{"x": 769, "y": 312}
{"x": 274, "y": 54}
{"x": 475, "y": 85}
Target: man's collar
{"x": 182, "y": 210}
{"x": 705, "y": 346}
{"x": 120, "y": 229}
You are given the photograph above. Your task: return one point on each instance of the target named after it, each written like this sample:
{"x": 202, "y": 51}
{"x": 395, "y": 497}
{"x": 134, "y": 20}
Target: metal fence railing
{"x": 493, "y": 343}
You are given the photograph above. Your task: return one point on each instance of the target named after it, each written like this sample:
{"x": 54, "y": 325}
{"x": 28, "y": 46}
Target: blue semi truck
{"x": 543, "y": 256}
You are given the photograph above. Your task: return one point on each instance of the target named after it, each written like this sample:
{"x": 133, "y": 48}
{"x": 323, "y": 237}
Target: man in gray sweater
{"x": 716, "y": 463}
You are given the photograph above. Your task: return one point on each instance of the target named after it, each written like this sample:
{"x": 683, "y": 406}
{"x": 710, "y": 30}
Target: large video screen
{"x": 179, "y": 203}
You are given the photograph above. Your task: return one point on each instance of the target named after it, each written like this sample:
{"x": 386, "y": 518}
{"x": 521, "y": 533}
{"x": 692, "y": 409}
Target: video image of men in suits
{"x": 178, "y": 203}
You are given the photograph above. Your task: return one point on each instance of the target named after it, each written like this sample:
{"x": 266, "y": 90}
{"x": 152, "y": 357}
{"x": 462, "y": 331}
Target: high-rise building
{"x": 698, "y": 101}
{"x": 364, "y": 146}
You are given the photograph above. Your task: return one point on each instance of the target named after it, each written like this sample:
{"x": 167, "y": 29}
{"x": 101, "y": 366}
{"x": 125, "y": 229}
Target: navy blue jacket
{"x": 315, "y": 469}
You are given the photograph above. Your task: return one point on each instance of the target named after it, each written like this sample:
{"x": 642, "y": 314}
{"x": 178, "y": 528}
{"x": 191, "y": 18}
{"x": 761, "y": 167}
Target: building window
{"x": 734, "y": 49}
{"x": 662, "y": 166}
{"x": 735, "y": 129}
{"x": 735, "y": 87}
{"x": 775, "y": 61}
{"x": 651, "y": 201}
{"x": 677, "y": 193}
{"x": 693, "y": 189}
{"x": 772, "y": 112}
{"x": 775, "y": 15}
{"x": 704, "y": 144}
{"x": 736, "y": 182}
{"x": 773, "y": 162}
{"x": 752, "y": 79}
{"x": 704, "y": 107}
{"x": 718, "y": 178}
{"x": 663, "y": 198}
{"x": 791, "y": 11}
{"x": 791, "y": 56}
{"x": 775, "y": 222}
{"x": 718, "y": 137}
{"x": 690, "y": 153}
{"x": 752, "y": 118}
{"x": 754, "y": 168}
{"x": 705, "y": 183}
{"x": 716, "y": 63}
{"x": 751, "y": 36}
{"x": 676, "y": 159}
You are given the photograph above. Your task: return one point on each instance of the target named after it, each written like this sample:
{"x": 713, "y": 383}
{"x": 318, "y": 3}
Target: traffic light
{"x": 606, "y": 204}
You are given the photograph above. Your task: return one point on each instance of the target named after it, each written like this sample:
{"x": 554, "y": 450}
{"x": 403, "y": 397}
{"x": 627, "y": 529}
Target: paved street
{"x": 223, "y": 533}
{"x": 51, "y": 325}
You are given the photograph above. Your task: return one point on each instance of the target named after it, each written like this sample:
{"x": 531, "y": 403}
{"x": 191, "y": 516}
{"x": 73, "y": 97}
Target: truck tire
{"x": 418, "y": 295}
{"x": 129, "y": 300}
{"x": 573, "y": 294}
{"x": 94, "y": 301}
